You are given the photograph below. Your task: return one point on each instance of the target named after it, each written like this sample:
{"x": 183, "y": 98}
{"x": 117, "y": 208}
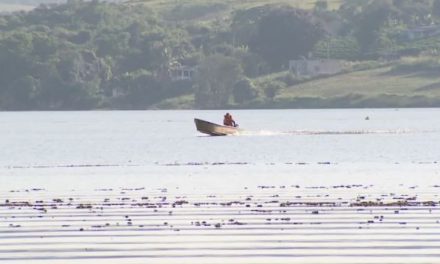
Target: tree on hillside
{"x": 21, "y": 94}
{"x": 245, "y": 23}
{"x": 413, "y": 13}
{"x": 141, "y": 89}
{"x": 285, "y": 33}
{"x": 351, "y": 9}
{"x": 436, "y": 9}
{"x": 321, "y": 5}
{"x": 370, "y": 22}
{"x": 244, "y": 90}
{"x": 74, "y": 82}
{"x": 271, "y": 88}
{"x": 16, "y": 61}
{"x": 215, "y": 80}
{"x": 337, "y": 48}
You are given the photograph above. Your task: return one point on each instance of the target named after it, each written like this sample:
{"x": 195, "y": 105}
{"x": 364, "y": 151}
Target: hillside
{"x": 204, "y": 10}
{"x": 144, "y": 54}
{"x": 38, "y": 2}
{"x": 14, "y": 7}
{"x": 305, "y": 4}
{"x": 370, "y": 88}
{"x": 27, "y": 5}
{"x": 379, "y": 87}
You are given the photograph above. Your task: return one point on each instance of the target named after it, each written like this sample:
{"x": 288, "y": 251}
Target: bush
{"x": 272, "y": 87}
{"x": 244, "y": 90}
{"x": 346, "y": 48}
{"x": 365, "y": 65}
{"x": 411, "y": 64}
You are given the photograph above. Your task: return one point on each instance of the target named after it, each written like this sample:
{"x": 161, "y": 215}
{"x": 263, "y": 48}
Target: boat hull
{"x": 214, "y": 129}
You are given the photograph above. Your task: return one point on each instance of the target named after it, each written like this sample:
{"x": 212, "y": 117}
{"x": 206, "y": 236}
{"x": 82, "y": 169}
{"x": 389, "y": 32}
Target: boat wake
{"x": 320, "y": 132}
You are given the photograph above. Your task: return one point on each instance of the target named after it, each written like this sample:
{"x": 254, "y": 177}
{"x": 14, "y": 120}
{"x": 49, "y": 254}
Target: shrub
{"x": 244, "y": 90}
{"x": 411, "y": 64}
{"x": 272, "y": 88}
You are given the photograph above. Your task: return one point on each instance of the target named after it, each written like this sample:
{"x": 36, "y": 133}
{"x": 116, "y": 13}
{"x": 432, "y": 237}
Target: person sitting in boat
{"x": 229, "y": 121}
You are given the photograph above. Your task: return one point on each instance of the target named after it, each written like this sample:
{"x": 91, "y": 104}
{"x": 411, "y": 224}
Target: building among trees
{"x": 180, "y": 72}
{"x": 316, "y": 67}
{"x": 421, "y": 32}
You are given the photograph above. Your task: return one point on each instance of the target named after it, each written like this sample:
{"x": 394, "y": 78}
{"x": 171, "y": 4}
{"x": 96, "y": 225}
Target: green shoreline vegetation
{"x": 158, "y": 54}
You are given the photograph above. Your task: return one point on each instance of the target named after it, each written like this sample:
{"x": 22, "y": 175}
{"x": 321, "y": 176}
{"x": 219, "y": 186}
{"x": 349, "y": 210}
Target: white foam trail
{"x": 260, "y": 133}
{"x": 323, "y": 132}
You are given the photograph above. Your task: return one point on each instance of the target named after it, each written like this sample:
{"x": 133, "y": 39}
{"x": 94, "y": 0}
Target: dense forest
{"x": 199, "y": 54}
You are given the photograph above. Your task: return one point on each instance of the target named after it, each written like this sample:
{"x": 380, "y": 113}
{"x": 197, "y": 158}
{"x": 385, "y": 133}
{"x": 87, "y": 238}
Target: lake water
{"x": 321, "y": 164}
{"x": 278, "y": 136}
{"x": 281, "y": 141}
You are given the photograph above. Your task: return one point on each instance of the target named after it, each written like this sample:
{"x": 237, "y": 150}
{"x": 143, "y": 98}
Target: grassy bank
{"x": 405, "y": 84}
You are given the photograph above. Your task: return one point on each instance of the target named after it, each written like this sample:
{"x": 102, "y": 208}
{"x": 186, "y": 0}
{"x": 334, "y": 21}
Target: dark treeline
{"x": 87, "y": 55}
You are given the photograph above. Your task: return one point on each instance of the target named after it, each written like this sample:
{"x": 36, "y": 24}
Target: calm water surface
{"x": 157, "y": 147}
{"x": 271, "y": 136}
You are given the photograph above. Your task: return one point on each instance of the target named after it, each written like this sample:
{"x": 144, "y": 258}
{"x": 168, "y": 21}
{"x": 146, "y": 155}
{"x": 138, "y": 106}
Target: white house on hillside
{"x": 181, "y": 72}
{"x": 316, "y": 67}
{"x": 421, "y": 32}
